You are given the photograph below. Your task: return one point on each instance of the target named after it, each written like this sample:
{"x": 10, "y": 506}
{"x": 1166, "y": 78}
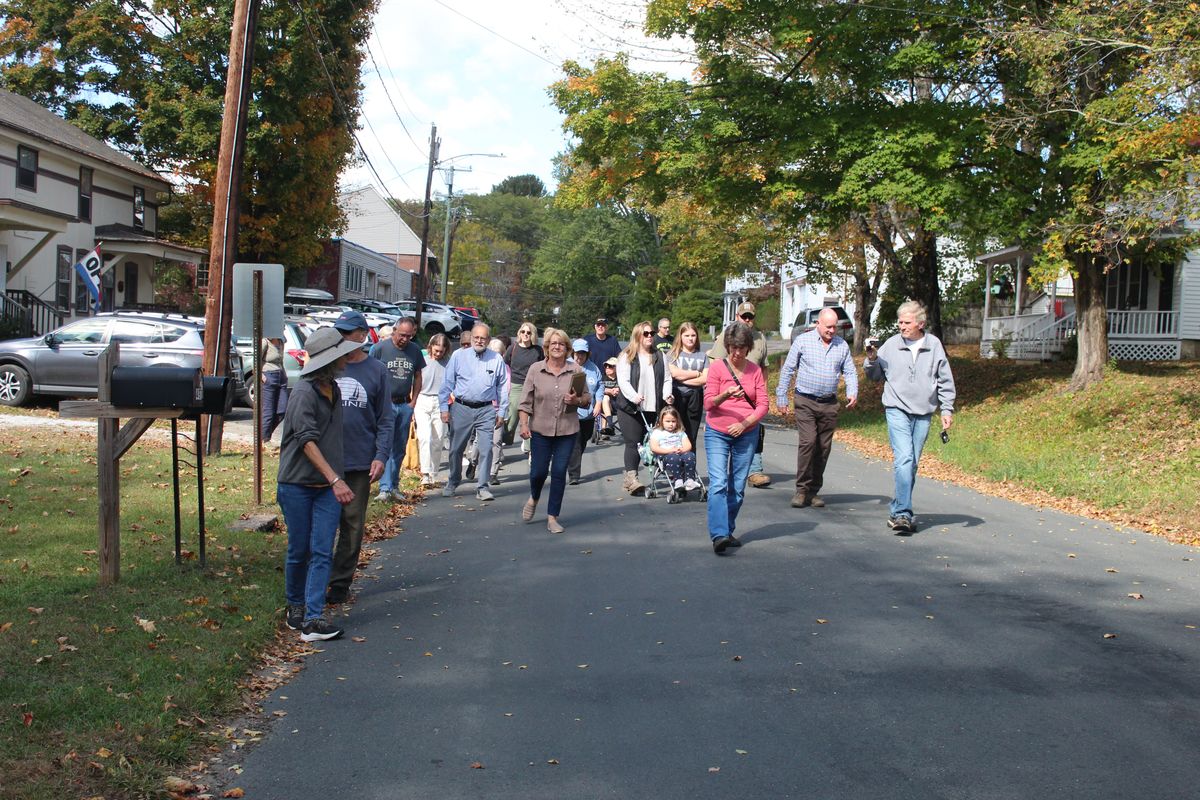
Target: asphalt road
{"x": 827, "y": 658}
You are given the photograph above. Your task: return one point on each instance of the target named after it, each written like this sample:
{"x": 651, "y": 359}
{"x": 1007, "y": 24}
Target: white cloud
{"x": 483, "y": 88}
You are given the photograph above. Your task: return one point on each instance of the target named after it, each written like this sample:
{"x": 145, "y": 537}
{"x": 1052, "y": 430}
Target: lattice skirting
{"x": 1143, "y": 351}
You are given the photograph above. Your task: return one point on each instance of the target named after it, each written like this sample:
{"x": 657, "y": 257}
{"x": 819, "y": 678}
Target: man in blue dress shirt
{"x": 817, "y": 359}
{"x": 474, "y": 402}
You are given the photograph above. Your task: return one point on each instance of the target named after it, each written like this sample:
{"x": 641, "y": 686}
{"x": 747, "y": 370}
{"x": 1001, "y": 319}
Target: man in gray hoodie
{"x": 918, "y": 381}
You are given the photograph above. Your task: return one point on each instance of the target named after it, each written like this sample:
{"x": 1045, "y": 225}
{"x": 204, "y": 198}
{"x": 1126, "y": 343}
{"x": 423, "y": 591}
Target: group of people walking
{"x": 347, "y": 422}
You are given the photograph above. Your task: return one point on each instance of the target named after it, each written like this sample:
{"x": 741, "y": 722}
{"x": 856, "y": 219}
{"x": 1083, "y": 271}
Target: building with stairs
{"x": 1153, "y": 310}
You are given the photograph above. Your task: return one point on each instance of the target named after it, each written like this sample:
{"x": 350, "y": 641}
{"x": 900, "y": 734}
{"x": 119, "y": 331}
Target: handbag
{"x": 412, "y": 451}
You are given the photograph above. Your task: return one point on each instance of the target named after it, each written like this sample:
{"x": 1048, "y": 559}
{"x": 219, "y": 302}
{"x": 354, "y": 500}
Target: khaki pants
{"x": 815, "y": 423}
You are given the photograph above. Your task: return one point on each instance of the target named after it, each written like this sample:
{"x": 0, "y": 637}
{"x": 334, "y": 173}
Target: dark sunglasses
{"x": 647, "y": 333}
{"x": 747, "y": 316}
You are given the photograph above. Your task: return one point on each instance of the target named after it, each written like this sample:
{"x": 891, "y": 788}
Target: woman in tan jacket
{"x": 549, "y": 418}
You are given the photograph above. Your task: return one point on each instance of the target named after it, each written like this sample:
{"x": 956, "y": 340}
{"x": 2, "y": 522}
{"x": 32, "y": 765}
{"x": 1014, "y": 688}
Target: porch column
{"x": 987, "y": 291}
{"x": 1020, "y": 284}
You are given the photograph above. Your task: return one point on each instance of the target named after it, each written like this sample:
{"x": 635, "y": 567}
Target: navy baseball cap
{"x": 351, "y": 321}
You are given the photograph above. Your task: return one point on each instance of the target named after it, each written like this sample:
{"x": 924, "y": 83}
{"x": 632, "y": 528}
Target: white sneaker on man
{"x": 484, "y": 495}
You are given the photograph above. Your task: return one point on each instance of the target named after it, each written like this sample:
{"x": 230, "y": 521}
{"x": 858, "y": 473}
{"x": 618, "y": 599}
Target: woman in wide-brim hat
{"x": 311, "y": 490}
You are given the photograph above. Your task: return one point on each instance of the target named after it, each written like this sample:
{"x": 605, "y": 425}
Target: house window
{"x": 354, "y": 278}
{"x": 83, "y": 298}
{"x": 131, "y": 284}
{"x": 139, "y": 208}
{"x": 27, "y": 168}
{"x": 62, "y": 283}
{"x": 202, "y": 275}
{"x": 85, "y": 194}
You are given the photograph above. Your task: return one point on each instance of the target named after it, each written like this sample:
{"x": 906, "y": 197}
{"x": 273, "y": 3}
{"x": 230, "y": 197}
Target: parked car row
{"x": 64, "y": 361}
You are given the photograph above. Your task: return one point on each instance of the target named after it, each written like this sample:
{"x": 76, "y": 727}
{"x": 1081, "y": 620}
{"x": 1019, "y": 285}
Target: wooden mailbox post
{"x": 113, "y": 440}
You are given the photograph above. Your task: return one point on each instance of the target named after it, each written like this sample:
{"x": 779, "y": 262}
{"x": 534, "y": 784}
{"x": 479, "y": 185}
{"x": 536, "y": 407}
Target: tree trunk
{"x": 924, "y": 279}
{"x": 1091, "y": 324}
{"x": 864, "y": 299}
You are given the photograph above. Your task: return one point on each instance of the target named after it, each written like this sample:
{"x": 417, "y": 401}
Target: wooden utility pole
{"x": 222, "y": 251}
{"x": 435, "y": 145}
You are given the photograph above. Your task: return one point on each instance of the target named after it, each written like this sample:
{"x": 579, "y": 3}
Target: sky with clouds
{"x": 479, "y": 70}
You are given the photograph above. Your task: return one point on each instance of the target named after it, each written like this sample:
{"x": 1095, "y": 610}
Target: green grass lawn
{"x": 105, "y": 690}
{"x": 1129, "y": 446}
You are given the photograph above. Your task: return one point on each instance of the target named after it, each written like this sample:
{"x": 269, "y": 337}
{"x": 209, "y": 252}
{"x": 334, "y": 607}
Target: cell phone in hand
{"x": 945, "y": 437}
{"x": 873, "y": 343}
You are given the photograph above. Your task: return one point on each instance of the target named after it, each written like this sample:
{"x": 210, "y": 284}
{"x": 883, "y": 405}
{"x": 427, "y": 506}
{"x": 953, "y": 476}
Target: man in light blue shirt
{"x": 587, "y": 414}
{"x": 475, "y": 381}
{"x": 817, "y": 359}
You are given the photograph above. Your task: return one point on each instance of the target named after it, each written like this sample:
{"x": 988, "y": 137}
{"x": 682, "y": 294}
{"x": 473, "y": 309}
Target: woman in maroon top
{"x": 549, "y": 415}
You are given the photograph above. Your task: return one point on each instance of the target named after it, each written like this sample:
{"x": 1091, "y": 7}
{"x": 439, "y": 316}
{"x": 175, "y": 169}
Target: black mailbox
{"x": 218, "y": 397}
{"x": 156, "y": 387}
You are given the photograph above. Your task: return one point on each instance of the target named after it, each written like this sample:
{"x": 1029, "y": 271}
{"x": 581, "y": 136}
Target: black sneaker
{"x": 720, "y": 543}
{"x": 902, "y": 524}
{"x": 319, "y": 630}
{"x": 295, "y": 617}
{"x": 470, "y": 472}
{"x": 734, "y": 542}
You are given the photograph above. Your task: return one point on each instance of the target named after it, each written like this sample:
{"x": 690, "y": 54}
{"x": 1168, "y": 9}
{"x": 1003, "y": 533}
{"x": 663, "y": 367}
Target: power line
{"x": 501, "y": 36}
{"x": 391, "y": 102}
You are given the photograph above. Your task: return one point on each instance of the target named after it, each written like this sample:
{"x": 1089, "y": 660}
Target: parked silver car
{"x": 435, "y": 317}
{"x": 807, "y": 320}
{"x": 64, "y": 361}
{"x": 295, "y": 334}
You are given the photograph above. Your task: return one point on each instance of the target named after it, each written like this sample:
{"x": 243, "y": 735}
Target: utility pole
{"x": 446, "y": 238}
{"x": 435, "y": 145}
{"x": 222, "y": 251}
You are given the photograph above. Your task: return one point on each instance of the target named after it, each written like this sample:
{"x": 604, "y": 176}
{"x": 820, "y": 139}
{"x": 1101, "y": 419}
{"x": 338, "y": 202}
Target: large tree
{"x": 806, "y": 113}
{"x": 149, "y": 77}
{"x": 1103, "y": 110}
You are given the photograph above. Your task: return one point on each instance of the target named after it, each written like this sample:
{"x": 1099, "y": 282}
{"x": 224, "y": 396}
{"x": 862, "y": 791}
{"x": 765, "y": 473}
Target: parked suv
{"x": 376, "y": 307}
{"x": 807, "y": 320}
{"x": 64, "y": 361}
{"x": 435, "y": 317}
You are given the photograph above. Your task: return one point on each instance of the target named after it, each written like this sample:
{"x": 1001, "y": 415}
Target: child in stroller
{"x": 605, "y": 418}
{"x": 674, "y": 454}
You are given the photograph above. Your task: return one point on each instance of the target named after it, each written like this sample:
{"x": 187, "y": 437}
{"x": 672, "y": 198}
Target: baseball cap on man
{"x": 745, "y": 308}
{"x": 580, "y": 346}
{"x": 601, "y": 321}
{"x": 351, "y": 321}
{"x": 612, "y": 362}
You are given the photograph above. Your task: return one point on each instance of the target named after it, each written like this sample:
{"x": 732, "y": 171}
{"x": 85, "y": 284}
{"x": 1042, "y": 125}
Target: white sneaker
{"x": 448, "y": 490}
{"x": 484, "y": 495}
{"x": 679, "y": 484}
{"x": 691, "y": 483}
{"x": 383, "y": 497}
{"x": 427, "y": 481}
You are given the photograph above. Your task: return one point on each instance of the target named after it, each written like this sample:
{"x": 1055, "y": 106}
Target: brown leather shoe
{"x": 816, "y": 502}
{"x": 799, "y": 500}
{"x": 759, "y": 480}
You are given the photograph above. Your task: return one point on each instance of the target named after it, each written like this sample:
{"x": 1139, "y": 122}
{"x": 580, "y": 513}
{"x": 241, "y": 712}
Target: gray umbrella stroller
{"x": 657, "y": 471}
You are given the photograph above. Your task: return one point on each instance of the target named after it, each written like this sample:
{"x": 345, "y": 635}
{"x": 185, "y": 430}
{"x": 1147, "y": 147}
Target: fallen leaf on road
{"x": 359, "y": 639}
{"x": 1110, "y": 636}
{"x": 742, "y": 752}
{"x": 235, "y": 792}
{"x": 822, "y": 621}
{"x": 1070, "y": 555}
{"x": 1135, "y": 596}
{"x": 714, "y": 769}
{"x": 552, "y": 761}
{"x": 582, "y": 666}
{"x": 1110, "y": 569}
{"x": 737, "y": 658}
{"x": 476, "y": 765}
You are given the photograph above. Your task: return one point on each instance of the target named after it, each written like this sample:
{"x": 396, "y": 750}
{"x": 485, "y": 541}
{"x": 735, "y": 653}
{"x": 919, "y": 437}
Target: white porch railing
{"x": 1143, "y": 324}
{"x": 1044, "y": 337}
{"x": 1011, "y": 327}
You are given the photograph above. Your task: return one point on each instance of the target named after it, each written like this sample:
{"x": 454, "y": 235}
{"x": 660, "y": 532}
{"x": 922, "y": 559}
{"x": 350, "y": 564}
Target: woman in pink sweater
{"x": 735, "y": 401}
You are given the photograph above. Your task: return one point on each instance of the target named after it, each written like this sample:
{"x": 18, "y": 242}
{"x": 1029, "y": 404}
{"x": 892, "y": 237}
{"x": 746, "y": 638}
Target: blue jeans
{"x": 907, "y": 433}
{"x": 550, "y": 455}
{"x": 391, "y": 471}
{"x": 728, "y": 467}
{"x": 312, "y": 516}
{"x": 274, "y": 401}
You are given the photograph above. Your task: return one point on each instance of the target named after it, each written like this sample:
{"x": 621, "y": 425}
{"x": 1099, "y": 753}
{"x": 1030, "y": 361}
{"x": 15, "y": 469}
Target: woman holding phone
{"x": 554, "y": 391}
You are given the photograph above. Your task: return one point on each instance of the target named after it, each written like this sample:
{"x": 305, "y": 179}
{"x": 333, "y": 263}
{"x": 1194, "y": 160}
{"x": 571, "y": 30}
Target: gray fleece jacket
{"x": 917, "y": 387}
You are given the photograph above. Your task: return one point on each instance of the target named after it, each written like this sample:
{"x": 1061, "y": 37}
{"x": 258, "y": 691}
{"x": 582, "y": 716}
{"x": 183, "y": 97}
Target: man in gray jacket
{"x": 918, "y": 381}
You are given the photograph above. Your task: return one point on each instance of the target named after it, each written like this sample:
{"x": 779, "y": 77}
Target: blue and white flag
{"x": 88, "y": 270}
